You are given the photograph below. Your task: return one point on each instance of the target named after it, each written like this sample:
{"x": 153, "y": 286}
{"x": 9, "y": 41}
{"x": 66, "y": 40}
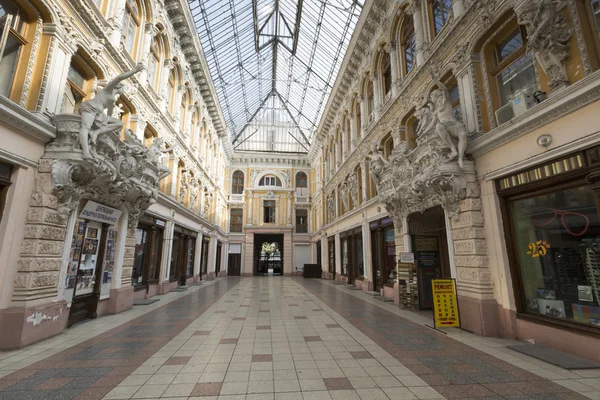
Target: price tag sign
{"x": 445, "y": 305}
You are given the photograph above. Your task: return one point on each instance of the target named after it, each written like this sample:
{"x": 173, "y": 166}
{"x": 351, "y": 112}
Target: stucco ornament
{"x": 194, "y": 189}
{"x": 548, "y": 36}
{"x": 207, "y": 202}
{"x": 184, "y": 185}
{"x": 121, "y": 173}
{"x": 434, "y": 172}
{"x": 94, "y": 121}
{"x": 331, "y": 207}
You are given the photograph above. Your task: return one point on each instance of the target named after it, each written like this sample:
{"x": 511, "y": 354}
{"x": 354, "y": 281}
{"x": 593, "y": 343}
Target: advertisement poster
{"x": 445, "y": 305}
{"x": 90, "y": 246}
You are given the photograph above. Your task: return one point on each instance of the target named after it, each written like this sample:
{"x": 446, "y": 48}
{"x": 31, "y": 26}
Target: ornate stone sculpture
{"x": 121, "y": 173}
{"x": 156, "y": 154}
{"x": 377, "y": 163}
{"x": 185, "y": 184}
{"x": 447, "y": 126}
{"x": 331, "y": 207}
{"x": 548, "y": 36}
{"x": 92, "y": 113}
{"x": 207, "y": 202}
{"x": 194, "y": 188}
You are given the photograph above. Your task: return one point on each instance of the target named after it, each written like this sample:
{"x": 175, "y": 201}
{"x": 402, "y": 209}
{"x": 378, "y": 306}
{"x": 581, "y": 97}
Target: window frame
{"x": 569, "y": 179}
{"x": 263, "y": 181}
{"x": 301, "y": 227}
{"x": 233, "y": 212}
{"x": 16, "y": 27}
{"x": 236, "y": 184}
{"x": 297, "y": 184}
{"x": 408, "y": 42}
{"x": 430, "y": 6}
{"x": 270, "y": 211}
{"x": 129, "y": 13}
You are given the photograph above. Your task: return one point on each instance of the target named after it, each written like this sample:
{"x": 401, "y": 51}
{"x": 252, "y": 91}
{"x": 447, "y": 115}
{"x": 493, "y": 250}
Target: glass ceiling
{"x": 274, "y": 63}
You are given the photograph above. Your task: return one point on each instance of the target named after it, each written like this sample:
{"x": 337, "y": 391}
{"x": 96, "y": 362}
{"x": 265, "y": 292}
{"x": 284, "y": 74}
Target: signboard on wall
{"x": 445, "y": 305}
{"x": 98, "y": 212}
{"x": 407, "y": 258}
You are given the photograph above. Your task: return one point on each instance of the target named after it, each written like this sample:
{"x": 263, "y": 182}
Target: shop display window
{"x": 191, "y": 248}
{"x": 141, "y": 237}
{"x": 556, "y": 236}
{"x": 390, "y": 254}
{"x": 109, "y": 261}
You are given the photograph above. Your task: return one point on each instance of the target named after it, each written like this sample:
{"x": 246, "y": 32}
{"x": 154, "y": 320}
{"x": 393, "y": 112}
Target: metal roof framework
{"x": 274, "y": 63}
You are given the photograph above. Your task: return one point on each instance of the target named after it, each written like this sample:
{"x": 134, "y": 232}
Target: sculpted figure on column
{"x": 377, "y": 163}
{"x": 446, "y": 125}
{"x": 92, "y": 113}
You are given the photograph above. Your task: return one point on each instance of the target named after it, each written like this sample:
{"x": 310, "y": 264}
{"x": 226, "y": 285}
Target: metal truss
{"x": 274, "y": 63}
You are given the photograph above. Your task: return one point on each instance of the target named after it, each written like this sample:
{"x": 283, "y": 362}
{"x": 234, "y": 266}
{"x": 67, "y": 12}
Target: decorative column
{"x": 289, "y": 209}
{"x": 365, "y": 184}
{"x": 367, "y": 256}
{"x": 338, "y": 257}
{"x": 324, "y": 256}
{"x": 149, "y": 32}
{"x": 250, "y": 206}
{"x": 458, "y": 8}
{"x": 59, "y": 60}
{"x": 174, "y": 176}
{"x": 164, "y": 82}
{"x": 117, "y": 23}
{"x": 378, "y": 103}
{"x": 415, "y": 10}
{"x": 197, "y": 258}
{"x": 395, "y": 70}
{"x": 467, "y": 90}
{"x": 364, "y": 118}
{"x": 212, "y": 258}
{"x": 353, "y": 137}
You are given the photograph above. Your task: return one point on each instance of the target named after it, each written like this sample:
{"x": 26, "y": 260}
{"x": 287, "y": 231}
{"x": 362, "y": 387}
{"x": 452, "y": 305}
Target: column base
{"x": 120, "y": 300}
{"x": 480, "y": 316}
{"x": 23, "y": 326}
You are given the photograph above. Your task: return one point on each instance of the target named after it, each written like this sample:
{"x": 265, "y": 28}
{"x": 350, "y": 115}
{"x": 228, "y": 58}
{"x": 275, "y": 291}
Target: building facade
{"x": 514, "y": 223}
{"x": 83, "y": 237}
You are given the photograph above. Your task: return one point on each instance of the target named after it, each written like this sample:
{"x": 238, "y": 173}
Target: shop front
{"x": 149, "y": 238}
{"x": 383, "y": 249}
{"x": 353, "y": 267}
{"x": 552, "y": 233}
{"x": 91, "y": 259}
{"x": 430, "y": 248}
{"x": 182, "y": 255}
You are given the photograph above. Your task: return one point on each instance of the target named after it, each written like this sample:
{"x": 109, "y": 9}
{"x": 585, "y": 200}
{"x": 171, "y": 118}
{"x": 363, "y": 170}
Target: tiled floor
{"x": 278, "y": 338}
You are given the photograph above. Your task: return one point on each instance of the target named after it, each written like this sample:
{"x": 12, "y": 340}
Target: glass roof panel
{"x": 273, "y": 63}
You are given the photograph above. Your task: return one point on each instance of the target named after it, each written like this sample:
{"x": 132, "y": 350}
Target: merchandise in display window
{"x": 557, "y": 243}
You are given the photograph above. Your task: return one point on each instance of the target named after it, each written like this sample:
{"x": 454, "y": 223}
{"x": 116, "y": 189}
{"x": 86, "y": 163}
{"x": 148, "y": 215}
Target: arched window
{"x": 80, "y": 80}
{"x": 513, "y": 67}
{"x": 347, "y": 133}
{"x": 301, "y": 180}
{"x": 186, "y": 99}
{"x": 149, "y": 135}
{"x": 237, "y": 182}
{"x": 13, "y": 29}
{"x": 370, "y": 100}
{"x": 408, "y": 45}
{"x": 388, "y": 145}
{"x": 385, "y": 70}
{"x": 170, "y": 91}
{"x": 157, "y": 54}
{"x": 409, "y": 135}
{"x": 358, "y": 121}
{"x": 131, "y": 24}
{"x": 127, "y": 110}
{"x": 439, "y": 12}
{"x": 269, "y": 180}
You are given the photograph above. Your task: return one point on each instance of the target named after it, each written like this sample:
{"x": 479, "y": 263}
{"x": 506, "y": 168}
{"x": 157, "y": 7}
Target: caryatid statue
{"x": 92, "y": 112}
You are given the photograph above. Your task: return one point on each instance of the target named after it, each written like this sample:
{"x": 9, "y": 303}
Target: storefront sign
{"x": 97, "y": 212}
{"x": 445, "y": 305}
{"x": 538, "y": 248}
{"x": 408, "y": 258}
{"x": 160, "y": 223}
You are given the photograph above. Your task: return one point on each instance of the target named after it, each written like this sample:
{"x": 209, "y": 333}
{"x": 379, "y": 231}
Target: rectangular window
{"x": 556, "y": 240}
{"x": 269, "y": 210}
{"x": 301, "y": 221}
{"x": 237, "y": 220}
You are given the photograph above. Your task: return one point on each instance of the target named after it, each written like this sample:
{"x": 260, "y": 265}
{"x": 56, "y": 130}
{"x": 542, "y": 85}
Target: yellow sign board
{"x": 445, "y": 305}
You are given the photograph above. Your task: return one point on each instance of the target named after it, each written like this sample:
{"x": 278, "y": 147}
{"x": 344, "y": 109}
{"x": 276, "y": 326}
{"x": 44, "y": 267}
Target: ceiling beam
{"x": 297, "y": 27}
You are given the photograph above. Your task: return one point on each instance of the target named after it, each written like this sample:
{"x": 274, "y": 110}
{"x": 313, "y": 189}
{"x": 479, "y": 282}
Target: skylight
{"x": 274, "y": 63}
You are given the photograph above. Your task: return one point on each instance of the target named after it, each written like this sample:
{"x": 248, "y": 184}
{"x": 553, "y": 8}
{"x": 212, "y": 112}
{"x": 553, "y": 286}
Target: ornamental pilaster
{"x": 415, "y": 10}
{"x": 116, "y": 23}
